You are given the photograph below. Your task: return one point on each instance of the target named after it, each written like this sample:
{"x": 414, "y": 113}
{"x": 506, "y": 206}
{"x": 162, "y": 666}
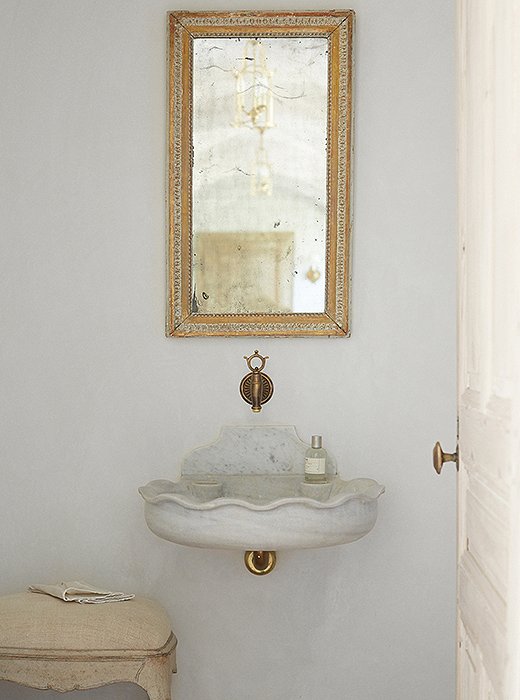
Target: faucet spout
{"x": 256, "y": 391}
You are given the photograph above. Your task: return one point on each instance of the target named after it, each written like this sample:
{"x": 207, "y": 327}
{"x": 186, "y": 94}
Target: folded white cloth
{"x": 80, "y": 592}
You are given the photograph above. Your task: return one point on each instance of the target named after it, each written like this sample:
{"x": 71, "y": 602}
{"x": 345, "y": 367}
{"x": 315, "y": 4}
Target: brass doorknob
{"x": 439, "y": 457}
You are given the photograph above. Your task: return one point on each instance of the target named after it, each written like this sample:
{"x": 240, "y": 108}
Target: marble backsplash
{"x": 250, "y": 449}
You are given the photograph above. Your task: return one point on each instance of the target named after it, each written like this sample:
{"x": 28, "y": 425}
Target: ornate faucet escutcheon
{"x": 256, "y": 388}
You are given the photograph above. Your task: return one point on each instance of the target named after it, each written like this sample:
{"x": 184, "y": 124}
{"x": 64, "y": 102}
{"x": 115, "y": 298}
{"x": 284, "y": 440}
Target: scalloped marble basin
{"x": 261, "y": 512}
{"x": 247, "y": 491}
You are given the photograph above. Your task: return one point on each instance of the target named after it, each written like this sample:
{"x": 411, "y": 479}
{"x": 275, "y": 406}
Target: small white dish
{"x": 320, "y": 490}
{"x": 206, "y": 489}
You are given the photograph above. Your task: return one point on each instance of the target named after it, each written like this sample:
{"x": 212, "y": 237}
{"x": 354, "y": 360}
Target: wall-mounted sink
{"x": 261, "y": 512}
{"x": 247, "y": 491}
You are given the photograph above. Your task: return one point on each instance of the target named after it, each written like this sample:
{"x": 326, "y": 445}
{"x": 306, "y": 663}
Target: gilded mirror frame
{"x": 184, "y": 27}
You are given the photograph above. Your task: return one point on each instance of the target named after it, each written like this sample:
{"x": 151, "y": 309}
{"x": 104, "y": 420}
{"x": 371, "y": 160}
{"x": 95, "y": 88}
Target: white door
{"x": 489, "y": 350}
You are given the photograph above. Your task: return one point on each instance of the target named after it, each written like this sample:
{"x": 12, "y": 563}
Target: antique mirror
{"x": 260, "y": 134}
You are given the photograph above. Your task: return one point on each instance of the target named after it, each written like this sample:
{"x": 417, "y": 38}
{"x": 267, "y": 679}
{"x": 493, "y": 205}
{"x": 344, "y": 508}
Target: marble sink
{"x": 247, "y": 491}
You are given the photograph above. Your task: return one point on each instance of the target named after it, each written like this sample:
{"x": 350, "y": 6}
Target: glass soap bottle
{"x": 315, "y": 462}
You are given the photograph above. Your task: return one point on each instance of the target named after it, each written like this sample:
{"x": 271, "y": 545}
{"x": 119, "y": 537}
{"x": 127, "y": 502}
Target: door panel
{"x": 489, "y": 351}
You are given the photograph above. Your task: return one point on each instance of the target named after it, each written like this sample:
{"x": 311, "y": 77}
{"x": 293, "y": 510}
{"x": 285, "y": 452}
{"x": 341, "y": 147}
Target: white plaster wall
{"x": 96, "y": 401}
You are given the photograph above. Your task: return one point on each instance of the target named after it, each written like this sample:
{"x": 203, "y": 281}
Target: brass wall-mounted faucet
{"x": 256, "y": 388}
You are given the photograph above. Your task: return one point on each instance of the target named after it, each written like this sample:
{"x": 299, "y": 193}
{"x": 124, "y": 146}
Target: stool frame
{"x": 66, "y": 670}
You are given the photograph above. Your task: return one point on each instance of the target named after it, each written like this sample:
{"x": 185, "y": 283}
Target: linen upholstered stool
{"x": 48, "y": 643}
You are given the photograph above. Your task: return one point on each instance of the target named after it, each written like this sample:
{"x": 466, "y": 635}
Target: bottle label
{"x": 315, "y": 465}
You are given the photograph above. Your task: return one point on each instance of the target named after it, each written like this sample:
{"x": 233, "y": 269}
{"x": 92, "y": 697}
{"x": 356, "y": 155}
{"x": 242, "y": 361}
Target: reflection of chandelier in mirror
{"x": 254, "y": 109}
{"x": 253, "y": 94}
{"x": 261, "y": 180}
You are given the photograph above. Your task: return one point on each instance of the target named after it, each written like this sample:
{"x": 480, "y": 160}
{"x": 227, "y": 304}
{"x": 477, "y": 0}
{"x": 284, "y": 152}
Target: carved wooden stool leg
{"x": 156, "y": 677}
{"x": 158, "y": 694}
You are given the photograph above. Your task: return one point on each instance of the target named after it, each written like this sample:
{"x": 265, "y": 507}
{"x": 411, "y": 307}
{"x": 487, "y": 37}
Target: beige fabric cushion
{"x": 36, "y": 621}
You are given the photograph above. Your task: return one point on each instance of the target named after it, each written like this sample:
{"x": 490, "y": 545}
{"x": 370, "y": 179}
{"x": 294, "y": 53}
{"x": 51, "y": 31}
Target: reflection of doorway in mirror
{"x": 249, "y": 272}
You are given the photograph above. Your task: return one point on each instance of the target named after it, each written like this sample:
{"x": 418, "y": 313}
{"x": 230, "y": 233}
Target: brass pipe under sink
{"x": 260, "y": 562}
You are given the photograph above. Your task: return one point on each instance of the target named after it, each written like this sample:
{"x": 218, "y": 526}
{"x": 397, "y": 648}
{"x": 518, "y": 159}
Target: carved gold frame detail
{"x": 337, "y": 26}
